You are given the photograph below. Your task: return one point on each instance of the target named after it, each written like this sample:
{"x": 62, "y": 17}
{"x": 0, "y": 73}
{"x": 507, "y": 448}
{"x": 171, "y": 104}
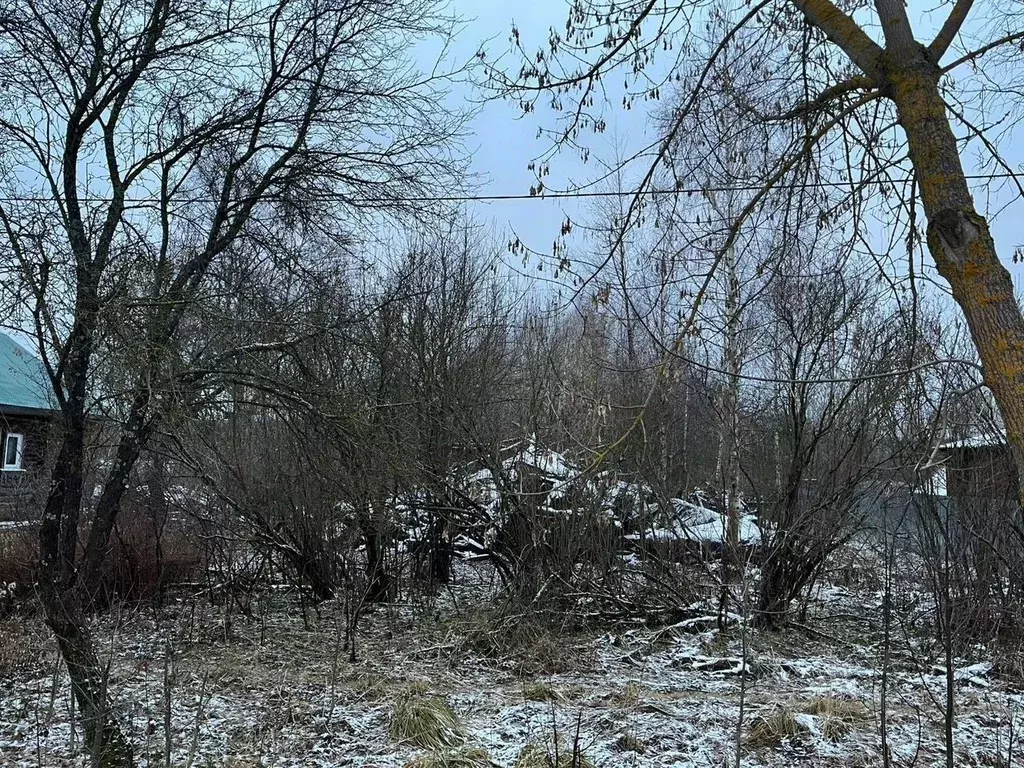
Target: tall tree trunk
{"x": 134, "y": 436}
{"x": 959, "y": 239}
{"x": 379, "y": 584}
{"x": 958, "y": 236}
{"x": 60, "y": 590}
{"x": 107, "y": 744}
{"x": 61, "y": 597}
{"x": 729, "y": 437}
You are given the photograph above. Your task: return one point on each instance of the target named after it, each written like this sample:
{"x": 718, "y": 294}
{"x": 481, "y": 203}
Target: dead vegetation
{"x": 524, "y": 640}
{"x": 771, "y": 730}
{"x": 542, "y": 692}
{"x": 837, "y": 716}
{"x": 629, "y": 696}
{"x": 269, "y": 693}
{"x": 552, "y": 754}
{"x": 426, "y": 721}
{"x": 22, "y": 646}
{"x": 466, "y": 757}
{"x": 627, "y": 742}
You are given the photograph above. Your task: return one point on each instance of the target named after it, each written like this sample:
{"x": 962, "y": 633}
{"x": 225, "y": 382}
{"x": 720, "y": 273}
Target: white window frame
{"x": 19, "y": 453}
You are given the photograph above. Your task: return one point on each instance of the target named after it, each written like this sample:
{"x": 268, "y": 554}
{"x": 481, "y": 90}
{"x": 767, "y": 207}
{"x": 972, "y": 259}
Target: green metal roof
{"x": 23, "y": 380}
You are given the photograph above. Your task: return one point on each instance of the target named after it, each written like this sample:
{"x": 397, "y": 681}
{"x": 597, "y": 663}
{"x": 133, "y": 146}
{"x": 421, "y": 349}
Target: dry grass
{"x": 21, "y": 649}
{"x": 426, "y": 721}
{"x": 838, "y": 715}
{"x": 775, "y": 728}
{"x": 542, "y": 692}
{"x": 467, "y": 757}
{"x": 529, "y": 641}
{"x": 418, "y": 688}
{"x": 369, "y": 686}
{"x": 629, "y": 696}
{"x": 834, "y": 706}
{"x": 540, "y": 754}
{"x": 627, "y": 742}
{"x": 993, "y": 760}
{"x": 834, "y": 729}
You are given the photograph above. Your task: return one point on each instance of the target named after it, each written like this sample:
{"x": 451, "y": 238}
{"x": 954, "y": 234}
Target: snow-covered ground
{"x": 267, "y": 691}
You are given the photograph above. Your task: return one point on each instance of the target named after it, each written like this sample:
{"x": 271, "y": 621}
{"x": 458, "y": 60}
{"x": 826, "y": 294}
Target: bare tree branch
{"x": 842, "y": 30}
{"x": 950, "y": 29}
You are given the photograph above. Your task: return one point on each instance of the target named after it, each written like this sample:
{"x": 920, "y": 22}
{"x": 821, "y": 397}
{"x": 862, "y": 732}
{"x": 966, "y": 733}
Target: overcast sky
{"x": 503, "y": 142}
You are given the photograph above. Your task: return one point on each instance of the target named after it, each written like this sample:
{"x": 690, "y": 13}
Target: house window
{"x": 14, "y": 449}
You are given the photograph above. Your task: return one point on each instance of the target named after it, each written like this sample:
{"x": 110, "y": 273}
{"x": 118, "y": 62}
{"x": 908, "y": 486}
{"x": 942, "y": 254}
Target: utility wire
{"x": 535, "y": 196}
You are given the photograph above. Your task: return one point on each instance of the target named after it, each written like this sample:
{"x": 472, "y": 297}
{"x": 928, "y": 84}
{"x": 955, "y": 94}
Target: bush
{"x": 144, "y": 559}
{"x": 18, "y": 547}
{"x": 21, "y": 651}
{"x": 528, "y": 638}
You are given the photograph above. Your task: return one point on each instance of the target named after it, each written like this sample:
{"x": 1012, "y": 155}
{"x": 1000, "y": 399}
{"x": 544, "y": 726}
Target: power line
{"x": 503, "y": 197}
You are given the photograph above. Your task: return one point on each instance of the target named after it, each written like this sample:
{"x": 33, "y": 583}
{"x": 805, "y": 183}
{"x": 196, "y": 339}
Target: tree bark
{"x": 378, "y": 581}
{"x": 108, "y": 747}
{"x": 135, "y": 435}
{"x": 60, "y": 594}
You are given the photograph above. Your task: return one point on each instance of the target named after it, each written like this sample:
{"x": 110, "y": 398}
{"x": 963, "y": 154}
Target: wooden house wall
{"x": 981, "y": 473}
{"x": 22, "y": 493}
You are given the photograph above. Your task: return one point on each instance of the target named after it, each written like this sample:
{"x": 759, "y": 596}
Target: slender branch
{"x": 1010, "y": 38}
{"x": 672, "y": 350}
{"x": 593, "y": 70}
{"x": 823, "y": 99}
{"x": 666, "y": 144}
{"x": 992, "y": 150}
{"x": 949, "y": 30}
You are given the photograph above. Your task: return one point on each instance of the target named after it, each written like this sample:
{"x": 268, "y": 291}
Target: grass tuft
{"x": 772, "y": 730}
{"x": 467, "y": 757}
{"x": 838, "y": 715}
{"x": 426, "y": 721}
{"x": 627, "y": 742}
{"x": 834, "y": 728}
{"x": 540, "y": 754}
{"x": 541, "y": 692}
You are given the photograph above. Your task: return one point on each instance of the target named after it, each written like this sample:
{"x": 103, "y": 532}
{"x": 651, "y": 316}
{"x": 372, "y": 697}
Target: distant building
{"x": 26, "y": 412}
{"x": 979, "y": 468}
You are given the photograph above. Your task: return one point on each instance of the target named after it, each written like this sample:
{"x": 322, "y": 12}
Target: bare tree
{"x": 831, "y": 392}
{"x": 834, "y": 106}
{"x": 149, "y": 142}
